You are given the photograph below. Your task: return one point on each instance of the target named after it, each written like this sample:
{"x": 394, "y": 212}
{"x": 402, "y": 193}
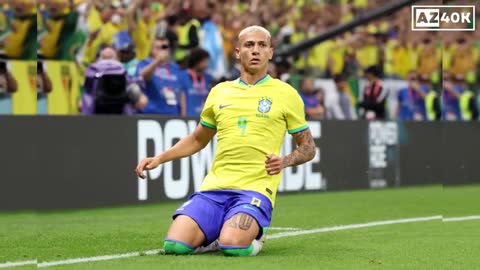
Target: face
{"x": 125, "y": 55}
{"x": 307, "y": 85}
{"x": 341, "y": 85}
{"x": 254, "y": 51}
{"x": 412, "y": 78}
{"x": 161, "y": 48}
{"x": 203, "y": 65}
{"x": 369, "y": 77}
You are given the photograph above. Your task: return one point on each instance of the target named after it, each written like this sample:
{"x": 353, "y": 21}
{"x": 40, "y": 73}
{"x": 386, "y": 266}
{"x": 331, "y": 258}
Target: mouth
{"x": 255, "y": 61}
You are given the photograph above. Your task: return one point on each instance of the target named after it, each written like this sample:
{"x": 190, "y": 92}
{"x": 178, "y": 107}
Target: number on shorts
{"x": 256, "y": 202}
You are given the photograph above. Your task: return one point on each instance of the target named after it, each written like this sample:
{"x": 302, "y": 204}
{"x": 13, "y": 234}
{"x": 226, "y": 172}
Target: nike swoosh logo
{"x": 223, "y": 106}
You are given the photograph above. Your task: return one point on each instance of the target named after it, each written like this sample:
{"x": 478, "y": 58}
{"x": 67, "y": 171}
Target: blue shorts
{"x": 211, "y": 209}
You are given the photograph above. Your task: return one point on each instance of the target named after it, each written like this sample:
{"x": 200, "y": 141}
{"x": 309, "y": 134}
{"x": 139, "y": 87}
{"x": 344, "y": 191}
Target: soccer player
{"x": 250, "y": 116}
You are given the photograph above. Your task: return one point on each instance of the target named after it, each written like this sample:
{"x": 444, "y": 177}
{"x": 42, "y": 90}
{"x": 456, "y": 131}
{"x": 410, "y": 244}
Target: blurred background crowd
{"x": 163, "y": 56}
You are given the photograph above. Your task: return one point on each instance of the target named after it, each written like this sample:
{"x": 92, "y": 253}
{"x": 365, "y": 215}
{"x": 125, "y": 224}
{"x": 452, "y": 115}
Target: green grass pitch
{"x": 61, "y": 235}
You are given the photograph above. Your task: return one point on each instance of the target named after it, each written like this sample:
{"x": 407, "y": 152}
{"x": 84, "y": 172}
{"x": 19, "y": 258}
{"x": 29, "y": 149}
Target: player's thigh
{"x": 186, "y": 230}
{"x": 239, "y": 230}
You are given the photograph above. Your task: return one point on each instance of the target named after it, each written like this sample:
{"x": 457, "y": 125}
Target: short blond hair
{"x": 255, "y": 28}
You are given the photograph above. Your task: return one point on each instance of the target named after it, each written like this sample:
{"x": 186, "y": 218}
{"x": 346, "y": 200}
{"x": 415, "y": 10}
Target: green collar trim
{"x": 262, "y": 80}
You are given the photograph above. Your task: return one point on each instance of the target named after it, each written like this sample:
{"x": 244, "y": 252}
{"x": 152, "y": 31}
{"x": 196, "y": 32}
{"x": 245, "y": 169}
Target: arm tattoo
{"x": 241, "y": 221}
{"x": 304, "y": 152}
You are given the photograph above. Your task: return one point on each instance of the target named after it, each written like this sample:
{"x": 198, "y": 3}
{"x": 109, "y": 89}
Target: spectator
{"x": 374, "y": 96}
{"x": 411, "y": 100}
{"x": 8, "y": 84}
{"x": 126, "y": 52}
{"x": 108, "y": 53}
{"x": 58, "y": 38}
{"x": 103, "y": 22}
{"x": 212, "y": 42}
{"x": 44, "y": 87}
{"x": 429, "y": 59}
{"x": 345, "y": 98}
{"x": 313, "y": 100}
{"x": 451, "y": 95}
{"x": 188, "y": 36}
{"x": 107, "y": 90}
{"x": 432, "y": 101}
{"x": 141, "y": 20}
{"x": 196, "y": 82}
{"x": 467, "y": 102}
{"x": 21, "y": 37}
{"x": 463, "y": 61}
{"x": 161, "y": 77}
{"x": 282, "y": 68}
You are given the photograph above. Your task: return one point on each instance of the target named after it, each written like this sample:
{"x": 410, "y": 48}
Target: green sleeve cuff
{"x": 295, "y": 130}
{"x": 207, "y": 124}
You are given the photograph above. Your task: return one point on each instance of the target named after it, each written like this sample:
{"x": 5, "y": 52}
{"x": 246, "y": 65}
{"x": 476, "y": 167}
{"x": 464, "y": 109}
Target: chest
{"x": 163, "y": 78}
{"x": 261, "y": 108}
{"x": 311, "y": 101}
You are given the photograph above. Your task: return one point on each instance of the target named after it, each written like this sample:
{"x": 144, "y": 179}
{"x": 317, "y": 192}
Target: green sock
{"x": 237, "y": 252}
{"x": 177, "y": 248}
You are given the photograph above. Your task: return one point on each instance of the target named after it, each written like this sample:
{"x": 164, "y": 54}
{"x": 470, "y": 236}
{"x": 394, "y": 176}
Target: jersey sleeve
{"x": 295, "y": 113}
{"x": 207, "y": 117}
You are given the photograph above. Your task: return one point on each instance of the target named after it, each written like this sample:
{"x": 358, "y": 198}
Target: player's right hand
{"x": 149, "y": 163}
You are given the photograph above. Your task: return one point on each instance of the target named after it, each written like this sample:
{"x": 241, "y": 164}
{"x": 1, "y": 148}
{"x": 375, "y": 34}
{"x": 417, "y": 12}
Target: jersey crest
{"x": 264, "y": 105}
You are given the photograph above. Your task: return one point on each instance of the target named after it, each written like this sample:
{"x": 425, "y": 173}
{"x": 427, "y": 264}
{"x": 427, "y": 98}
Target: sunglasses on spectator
{"x": 162, "y": 47}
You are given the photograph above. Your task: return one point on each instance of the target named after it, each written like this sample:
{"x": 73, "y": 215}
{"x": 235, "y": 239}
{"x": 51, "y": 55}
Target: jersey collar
{"x": 262, "y": 80}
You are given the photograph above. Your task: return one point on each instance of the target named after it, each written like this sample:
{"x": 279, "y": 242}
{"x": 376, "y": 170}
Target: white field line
{"x": 22, "y": 263}
{"x": 100, "y": 258}
{"x": 353, "y": 226}
{"x": 283, "y": 229}
{"x": 460, "y": 218}
{"x": 271, "y": 236}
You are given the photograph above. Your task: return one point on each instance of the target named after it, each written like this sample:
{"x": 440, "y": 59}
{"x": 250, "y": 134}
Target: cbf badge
{"x": 264, "y": 105}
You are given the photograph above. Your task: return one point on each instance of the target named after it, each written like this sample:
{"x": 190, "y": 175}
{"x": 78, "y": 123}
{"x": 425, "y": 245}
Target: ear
{"x": 270, "y": 56}
{"x": 237, "y": 53}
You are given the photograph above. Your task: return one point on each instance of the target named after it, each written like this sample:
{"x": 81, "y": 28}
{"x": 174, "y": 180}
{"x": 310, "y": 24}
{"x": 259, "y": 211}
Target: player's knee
{"x": 231, "y": 240}
{"x": 177, "y": 248}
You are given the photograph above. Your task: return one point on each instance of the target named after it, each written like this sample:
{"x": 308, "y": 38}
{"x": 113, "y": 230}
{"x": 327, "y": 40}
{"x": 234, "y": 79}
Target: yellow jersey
{"x": 251, "y": 122}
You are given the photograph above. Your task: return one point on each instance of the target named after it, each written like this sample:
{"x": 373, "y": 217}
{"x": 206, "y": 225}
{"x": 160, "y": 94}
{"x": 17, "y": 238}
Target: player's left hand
{"x": 273, "y": 164}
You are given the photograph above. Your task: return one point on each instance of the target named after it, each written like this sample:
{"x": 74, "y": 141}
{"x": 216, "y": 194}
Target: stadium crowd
{"x": 174, "y": 51}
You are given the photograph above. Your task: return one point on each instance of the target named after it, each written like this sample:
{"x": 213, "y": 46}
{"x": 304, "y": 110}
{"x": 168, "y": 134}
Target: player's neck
{"x": 250, "y": 78}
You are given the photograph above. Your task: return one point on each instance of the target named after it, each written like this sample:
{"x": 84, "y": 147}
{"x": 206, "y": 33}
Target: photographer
{"x": 109, "y": 91}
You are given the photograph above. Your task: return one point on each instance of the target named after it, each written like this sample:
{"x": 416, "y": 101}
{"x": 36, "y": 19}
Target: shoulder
{"x": 284, "y": 88}
{"x": 175, "y": 67}
{"x": 208, "y": 77}
{"x": 145, "y": 61}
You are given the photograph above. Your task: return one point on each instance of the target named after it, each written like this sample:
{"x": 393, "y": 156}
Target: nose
{"x": 255, "y": 50}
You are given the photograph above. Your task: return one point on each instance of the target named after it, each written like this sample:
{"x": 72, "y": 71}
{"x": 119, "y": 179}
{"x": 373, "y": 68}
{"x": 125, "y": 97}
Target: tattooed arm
{"x": 304, "y": 152}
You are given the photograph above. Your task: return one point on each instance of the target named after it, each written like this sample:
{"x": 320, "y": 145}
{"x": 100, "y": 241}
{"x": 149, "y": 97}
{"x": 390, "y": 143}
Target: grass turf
{"x": 59, "y": 235}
